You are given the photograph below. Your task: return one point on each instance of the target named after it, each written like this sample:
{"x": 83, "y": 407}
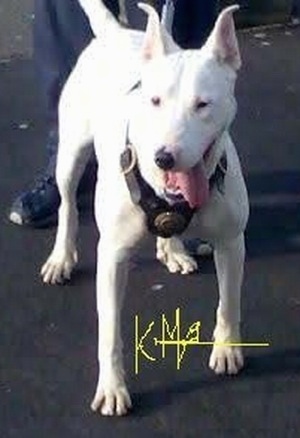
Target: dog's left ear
{"x": 157, "y": 41}
{"x": 223, "y": 41}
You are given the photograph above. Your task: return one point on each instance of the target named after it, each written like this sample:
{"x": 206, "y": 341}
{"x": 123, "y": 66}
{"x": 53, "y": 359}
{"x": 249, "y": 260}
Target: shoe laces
{"x": 42, "y": 183}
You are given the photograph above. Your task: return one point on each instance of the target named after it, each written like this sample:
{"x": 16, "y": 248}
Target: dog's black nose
{"x": 164, "y": 160}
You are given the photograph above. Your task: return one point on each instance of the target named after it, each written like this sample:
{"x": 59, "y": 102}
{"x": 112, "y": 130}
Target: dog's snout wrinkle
{"x": 164, "y": 160}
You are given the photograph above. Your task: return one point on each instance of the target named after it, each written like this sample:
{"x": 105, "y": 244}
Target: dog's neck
{"x": 214, "y": 153}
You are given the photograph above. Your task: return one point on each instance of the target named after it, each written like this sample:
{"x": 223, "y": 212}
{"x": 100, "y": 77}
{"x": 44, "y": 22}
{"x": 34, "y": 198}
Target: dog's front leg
{"x": 229, "y": 260}
{"x": 74, "y": 150}
{"x": 114, "y": 249}
{"x": 111, "y": 395}
{"x": 70, "y": 166}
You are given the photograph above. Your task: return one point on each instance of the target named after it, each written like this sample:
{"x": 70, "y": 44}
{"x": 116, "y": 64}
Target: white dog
{"x": 165, "y": 113}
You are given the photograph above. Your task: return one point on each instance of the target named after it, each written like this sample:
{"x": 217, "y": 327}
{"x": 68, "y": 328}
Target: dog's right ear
{"x": 157, "y": 41}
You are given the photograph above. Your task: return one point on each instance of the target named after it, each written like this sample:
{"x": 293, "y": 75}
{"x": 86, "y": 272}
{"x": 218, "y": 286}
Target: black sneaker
{"x": 197, "y": 247}
{"x": 37, "y": 207}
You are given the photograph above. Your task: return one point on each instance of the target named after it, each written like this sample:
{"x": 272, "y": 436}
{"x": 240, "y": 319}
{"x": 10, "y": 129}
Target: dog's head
{"x": 185, "y": 103}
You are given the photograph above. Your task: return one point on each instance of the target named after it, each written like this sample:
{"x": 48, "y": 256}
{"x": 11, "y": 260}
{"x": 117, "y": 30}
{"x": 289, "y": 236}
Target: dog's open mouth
{"x": 173, "y": 197}
{"x": 191, "y": 186}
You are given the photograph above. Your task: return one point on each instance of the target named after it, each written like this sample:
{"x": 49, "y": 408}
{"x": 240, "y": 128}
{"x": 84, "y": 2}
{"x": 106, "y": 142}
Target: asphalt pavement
{"x": 48, "y": 334}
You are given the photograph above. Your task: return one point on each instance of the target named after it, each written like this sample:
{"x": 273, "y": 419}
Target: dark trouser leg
{"x": 193, "y": 21}
{"x": 296, "y": 8}
{"x": 136, "y": 17}
{"x": 61, "y": 32}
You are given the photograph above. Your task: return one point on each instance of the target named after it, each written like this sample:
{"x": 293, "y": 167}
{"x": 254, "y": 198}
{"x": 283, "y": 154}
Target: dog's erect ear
{"x": 157, "y": 41}
{"x": 223, "y": 41}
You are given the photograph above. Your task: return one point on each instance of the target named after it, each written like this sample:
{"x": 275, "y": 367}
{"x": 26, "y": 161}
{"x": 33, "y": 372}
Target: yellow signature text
{"x": 175, "y": 336}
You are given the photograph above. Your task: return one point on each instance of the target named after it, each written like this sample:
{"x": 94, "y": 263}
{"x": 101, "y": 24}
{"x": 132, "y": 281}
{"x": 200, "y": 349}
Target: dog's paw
{"x": 226, "y": 356}
{"x": 226, "y": 359}
{"x": 172, "y": 254}
{"x": 112, "y": 401}
{"x": 58, "y": 267}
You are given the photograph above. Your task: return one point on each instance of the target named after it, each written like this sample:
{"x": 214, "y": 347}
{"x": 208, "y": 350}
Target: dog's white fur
{"x": 96, "y": 105}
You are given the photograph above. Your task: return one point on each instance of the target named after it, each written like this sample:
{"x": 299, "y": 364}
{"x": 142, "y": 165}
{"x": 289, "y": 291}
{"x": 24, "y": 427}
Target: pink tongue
{"x": 192, "y": 184}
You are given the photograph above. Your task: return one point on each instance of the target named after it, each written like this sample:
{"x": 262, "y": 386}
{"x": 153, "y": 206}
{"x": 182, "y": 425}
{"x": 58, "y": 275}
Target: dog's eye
{"x": 199, "y": 104}
{"x": 156, "y": 101}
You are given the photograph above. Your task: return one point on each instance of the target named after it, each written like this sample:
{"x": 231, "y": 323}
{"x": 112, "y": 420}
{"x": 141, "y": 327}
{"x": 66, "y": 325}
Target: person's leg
{"x": 137, "y": 18}
{"x": 193, "y": 21}
{"x": 295, "y": 16}
{"x": 61, "y": 31}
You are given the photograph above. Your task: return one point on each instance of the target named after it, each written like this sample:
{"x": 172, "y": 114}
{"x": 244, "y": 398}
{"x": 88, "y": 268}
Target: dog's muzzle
{"x": 162, "y": 219}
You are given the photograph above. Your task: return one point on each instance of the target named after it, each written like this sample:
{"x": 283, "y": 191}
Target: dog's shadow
{"x": 274, "y": 224}
{"x": 274, "y": 363}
